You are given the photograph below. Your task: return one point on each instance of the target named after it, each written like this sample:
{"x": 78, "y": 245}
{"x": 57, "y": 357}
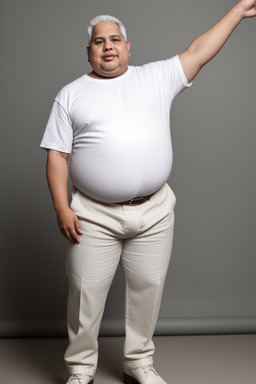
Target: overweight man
{"x": 115, "y": 123}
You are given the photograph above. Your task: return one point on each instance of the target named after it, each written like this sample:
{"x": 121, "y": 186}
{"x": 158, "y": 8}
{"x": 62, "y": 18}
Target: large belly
{"x": 118, "y": 168}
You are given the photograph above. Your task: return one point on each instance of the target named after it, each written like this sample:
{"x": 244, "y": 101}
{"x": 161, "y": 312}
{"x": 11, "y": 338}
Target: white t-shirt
{"x": 118, "y": 130}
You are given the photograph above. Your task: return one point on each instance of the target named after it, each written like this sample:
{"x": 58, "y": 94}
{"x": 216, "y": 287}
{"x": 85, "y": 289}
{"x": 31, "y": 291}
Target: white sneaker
{"x": 142, "y": 375}
{"x": 80, "y": 379}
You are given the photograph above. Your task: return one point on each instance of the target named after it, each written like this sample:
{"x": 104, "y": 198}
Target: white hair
{"x": 101, "y": 19}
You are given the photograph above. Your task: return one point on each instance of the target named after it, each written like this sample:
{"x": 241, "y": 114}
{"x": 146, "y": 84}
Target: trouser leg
{"x": 145, "y": 261}
{"x": 145, "y": 233}
{"x": 91, "y": 266}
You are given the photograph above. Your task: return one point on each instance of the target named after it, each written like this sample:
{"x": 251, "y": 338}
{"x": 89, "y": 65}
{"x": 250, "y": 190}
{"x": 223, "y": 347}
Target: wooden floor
{"x": 229, "y": 359}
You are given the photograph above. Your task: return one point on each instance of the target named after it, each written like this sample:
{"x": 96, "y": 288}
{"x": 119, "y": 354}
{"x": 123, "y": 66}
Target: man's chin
{"x": 107, "y": 71}
{"x": 109, "y": 68}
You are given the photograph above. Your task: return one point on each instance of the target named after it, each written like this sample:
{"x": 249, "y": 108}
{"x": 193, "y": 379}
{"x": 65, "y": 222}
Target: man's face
{"x": 108, "y": 52}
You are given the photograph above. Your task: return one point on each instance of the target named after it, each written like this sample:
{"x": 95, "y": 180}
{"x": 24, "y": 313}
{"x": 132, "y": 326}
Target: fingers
{"x": 74, "y": 232}
{"x": 70, "y": 226}
{"x": 72, "y": 236}
{"x": 78, "y": 227}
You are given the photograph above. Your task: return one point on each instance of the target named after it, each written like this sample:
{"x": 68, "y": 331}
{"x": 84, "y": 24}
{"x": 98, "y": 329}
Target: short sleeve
{"x": 58, "y": 133}
{"x": 172, "y": 75}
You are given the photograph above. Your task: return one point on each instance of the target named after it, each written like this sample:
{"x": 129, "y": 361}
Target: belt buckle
{"x": 136, "y": 200}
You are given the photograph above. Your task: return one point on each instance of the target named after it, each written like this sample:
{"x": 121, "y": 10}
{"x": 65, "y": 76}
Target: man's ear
{"x": 88, "y": 52}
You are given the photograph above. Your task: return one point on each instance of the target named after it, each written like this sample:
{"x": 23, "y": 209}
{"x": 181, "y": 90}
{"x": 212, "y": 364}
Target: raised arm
{"x": 57, "y": 177}
{"x": 207, "y": 45}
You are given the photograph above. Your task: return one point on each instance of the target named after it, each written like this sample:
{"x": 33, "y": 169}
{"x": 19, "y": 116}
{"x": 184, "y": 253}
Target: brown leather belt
{"x": 136, "y": 200}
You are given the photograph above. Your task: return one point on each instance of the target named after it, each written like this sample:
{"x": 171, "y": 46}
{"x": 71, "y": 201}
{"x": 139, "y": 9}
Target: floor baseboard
{"x": 115, "y": 327}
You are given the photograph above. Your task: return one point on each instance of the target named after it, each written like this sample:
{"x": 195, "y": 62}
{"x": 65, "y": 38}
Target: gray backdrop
{"x": 211, "y": 282}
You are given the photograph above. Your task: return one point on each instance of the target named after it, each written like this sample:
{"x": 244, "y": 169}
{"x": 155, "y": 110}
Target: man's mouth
{"x": 109, "y": 57}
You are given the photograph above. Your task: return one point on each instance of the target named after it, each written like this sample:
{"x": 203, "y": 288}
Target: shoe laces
{"x": 78, "y": 377}
{"x": 150, "y": 368}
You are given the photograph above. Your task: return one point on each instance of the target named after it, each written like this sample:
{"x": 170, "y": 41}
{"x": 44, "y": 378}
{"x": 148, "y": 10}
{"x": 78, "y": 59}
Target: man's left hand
{"x": 248, "y": 7}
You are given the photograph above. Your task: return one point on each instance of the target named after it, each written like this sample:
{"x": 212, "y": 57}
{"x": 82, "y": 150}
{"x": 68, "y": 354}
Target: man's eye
{"x": 98, "y": 42}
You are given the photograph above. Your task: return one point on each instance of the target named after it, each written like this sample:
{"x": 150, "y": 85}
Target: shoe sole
{"x": 129, "y": 379}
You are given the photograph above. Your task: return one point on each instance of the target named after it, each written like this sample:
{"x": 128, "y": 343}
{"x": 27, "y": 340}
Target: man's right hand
{"x": 69, "y": 225}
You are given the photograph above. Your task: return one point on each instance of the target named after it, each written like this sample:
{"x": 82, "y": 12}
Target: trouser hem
{"x": 80, "y": 370}
{"x": 137, "y": 363}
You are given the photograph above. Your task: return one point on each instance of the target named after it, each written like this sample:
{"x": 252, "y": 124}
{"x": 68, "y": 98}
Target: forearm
{"x": 57, "y": 177}
{"x": 207, "y": 45}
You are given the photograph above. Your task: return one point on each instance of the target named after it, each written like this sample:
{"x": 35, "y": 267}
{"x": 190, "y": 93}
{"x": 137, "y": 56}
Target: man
{"x": 115, "y": 122}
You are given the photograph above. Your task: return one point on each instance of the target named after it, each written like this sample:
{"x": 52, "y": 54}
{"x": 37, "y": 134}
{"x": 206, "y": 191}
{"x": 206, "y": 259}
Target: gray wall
{"x": 211, "y": 283}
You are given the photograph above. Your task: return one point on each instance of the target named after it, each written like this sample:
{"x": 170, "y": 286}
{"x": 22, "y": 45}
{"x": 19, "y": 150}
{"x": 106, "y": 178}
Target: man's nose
{"x": 107, "y": 46}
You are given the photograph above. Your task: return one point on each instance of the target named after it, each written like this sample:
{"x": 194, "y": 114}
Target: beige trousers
{"x": 141, "y": 238}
